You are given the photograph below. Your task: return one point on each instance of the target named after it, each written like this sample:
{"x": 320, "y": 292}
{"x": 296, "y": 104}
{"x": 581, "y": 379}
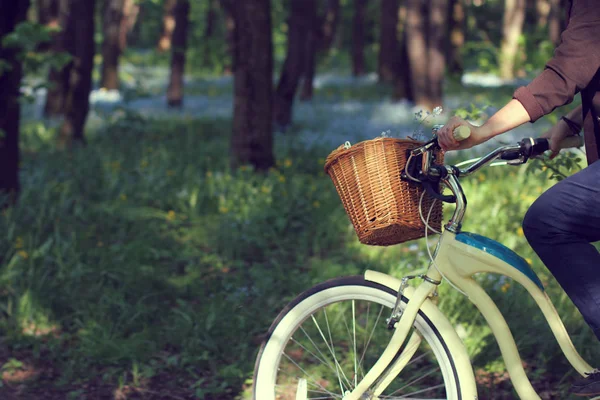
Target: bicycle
{"x": 349, "y": 372}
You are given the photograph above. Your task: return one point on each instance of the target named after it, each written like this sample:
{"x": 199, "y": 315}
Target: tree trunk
{"x": 330, "y": 24}
{"x": 79, "y": 42}
{"x": 113, "y": 17}
{"x": 230, "y": 39}
{"x": 166, "y": 36}
{"x": 403, "y": 84}
{"x": 252, "y": 138}
{"x": 310, "y": 57}
{"x": 436, "y": 51}
{"x": 512, "y": 27}
{"x": 299, "y": 28}
{"x": 555, "y": 21}
{"x": 10, "y": 83}
{"x": 58, "y": 79}
{"x": 542, "y": 9}
{"x": 138, "y": 17}
{"x": 416, "y": 46}
{"x": 456, "y": 24}
{"x": 48, "y": 12}
{"x": 388, "y": 41}
{"x": 131, "y": 11}
{"x": 48, "y": 16}
{"x": 175, "y": 89}
{"x": 209, "y": 28}
{"x": 358, "y": 37}
{"x": 426, "y": 39}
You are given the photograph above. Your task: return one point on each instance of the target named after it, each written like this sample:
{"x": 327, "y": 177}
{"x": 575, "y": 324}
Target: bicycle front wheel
{"x": 325, "y": 341}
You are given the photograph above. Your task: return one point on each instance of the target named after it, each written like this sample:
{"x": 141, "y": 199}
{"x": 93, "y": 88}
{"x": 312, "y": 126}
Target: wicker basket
{"x": 383, "y": 208}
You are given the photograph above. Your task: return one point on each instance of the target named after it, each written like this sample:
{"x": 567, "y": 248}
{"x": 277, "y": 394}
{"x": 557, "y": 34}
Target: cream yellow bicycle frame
{"x": 458, "y": 261}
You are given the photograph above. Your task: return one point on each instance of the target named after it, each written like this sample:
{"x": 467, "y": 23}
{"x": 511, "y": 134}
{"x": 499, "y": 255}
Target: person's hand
{"x": 555, "y": 136}
{"x": 446, "y": 138}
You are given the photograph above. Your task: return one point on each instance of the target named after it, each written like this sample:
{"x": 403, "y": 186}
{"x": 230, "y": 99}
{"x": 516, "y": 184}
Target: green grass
{"x": 142, "y": 261}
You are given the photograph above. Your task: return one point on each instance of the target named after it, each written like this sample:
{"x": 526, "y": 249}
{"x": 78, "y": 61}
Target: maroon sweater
{"x": 575, "y": 68}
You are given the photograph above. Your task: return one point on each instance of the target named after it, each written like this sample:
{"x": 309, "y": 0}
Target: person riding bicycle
{"x": 563, "y": 222}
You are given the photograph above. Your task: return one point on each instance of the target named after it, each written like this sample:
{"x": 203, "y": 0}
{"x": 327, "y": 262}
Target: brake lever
{"x": 518, "y": 161}
{"x": 431, "y": 190}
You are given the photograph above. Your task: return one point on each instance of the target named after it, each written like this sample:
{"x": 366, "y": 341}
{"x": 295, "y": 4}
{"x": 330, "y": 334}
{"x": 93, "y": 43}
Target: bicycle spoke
{"x": 313, "y": 354}
{"x": 366, "y": 327}
{"x": 307, "y": 375}
{"x": 416, "y": 392}
{"x": 370, "y": 336}
{"x": 334, "y": 368}
{"x": 415, "y": 381}
{"x": 332, "y": 351}
{"x": 354, "y": 342}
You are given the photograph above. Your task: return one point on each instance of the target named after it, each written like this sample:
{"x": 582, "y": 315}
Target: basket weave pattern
{"x": 383, "y": 208}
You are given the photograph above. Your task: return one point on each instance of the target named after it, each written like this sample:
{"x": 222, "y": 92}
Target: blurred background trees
{"x": 169, "y": 156}
{"x": 411, "y": 45}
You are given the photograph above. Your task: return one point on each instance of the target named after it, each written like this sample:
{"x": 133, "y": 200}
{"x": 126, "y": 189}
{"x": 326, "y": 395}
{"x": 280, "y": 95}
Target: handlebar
{"x": 420, "y": 167}
{"x": 516, "y": 154}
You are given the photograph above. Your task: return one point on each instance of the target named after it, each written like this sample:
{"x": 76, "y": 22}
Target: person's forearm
{"x": 576, "y": 116}
{"x": 508, "y": 117}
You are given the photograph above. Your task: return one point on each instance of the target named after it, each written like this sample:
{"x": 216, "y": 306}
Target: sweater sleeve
{"x": 576, "y": 60}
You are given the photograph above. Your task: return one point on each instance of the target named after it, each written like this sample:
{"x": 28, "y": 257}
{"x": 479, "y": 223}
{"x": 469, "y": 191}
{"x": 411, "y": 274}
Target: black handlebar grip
{"x": 539, "y": 146}
{"x": 511, "y": 155}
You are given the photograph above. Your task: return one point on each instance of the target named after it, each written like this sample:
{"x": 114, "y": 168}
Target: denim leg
{"x": 560, "y": 226}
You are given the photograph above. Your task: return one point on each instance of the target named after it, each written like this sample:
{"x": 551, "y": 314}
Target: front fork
{"x": 401, "y": 321}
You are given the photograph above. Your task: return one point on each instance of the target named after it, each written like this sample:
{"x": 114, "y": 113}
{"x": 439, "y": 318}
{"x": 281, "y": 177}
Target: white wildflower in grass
{"x": 437, "y": 111}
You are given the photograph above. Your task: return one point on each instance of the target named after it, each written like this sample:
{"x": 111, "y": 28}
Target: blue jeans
{"x": 560, "y": 226}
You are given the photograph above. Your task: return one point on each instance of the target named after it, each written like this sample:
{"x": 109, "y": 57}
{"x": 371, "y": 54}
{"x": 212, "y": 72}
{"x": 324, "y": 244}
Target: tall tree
{"x": 299, "y": 28}
{"x": 53, "y": 13}
{"x": 209, "y": 28}
{"x": 542, "y": 8}
{"x": 403, "y": 87}
{"x": 175, "y": 89}
{"x": 252, "y": 138}
{"x": 131, "y": 11}
{"x": 425, "y": 34}
{"x": 512, "y": 27}
{"x": 556, "y": 21}
{"x": 168, "y": 26}
{"x": 10, "y": 83}
{"x": 113, "y": 25}
{"x": 48, "y": 12}
{"x": 358, "y": 37}
{"x": 329, "y": 24}
{"x": 437, "y": 30}
{"x": 388, "y": 40}
{"x": 416, "y": 45}
{"x": 78, "y": 39}
{"x": 227, "y": 6}
{"x": 310, "y": 57}
{"x": 456, "y": 25}
{"x": 48, "y": 16}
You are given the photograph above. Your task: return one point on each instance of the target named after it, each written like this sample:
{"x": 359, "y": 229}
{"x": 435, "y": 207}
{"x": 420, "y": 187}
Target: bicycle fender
{"x": 466, "y": 377}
